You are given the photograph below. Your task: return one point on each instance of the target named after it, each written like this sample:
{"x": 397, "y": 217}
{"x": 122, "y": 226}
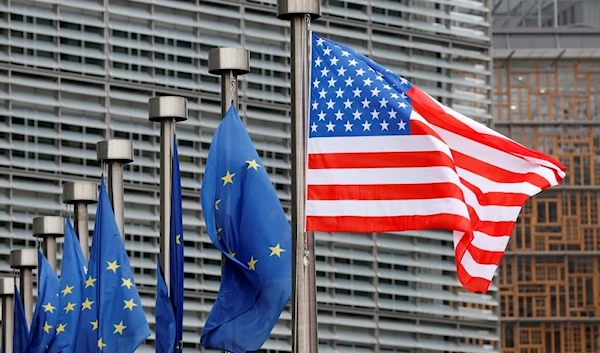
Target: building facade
{"x": 547, "y": 96}
{"x": 76, "y": 72}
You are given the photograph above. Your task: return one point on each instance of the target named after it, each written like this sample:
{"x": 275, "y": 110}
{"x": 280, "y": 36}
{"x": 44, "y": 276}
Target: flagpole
{"x": 116, "y": 152}
{"x": 7, "y": 293}
{"x": 228, "y": 63}
{"x": 304, "y": 295}
{"x": 49, "y": 228}
{"x": 80, "y": 194}
{"x": 167, "y": 110}
{"x": 25, "y": 260}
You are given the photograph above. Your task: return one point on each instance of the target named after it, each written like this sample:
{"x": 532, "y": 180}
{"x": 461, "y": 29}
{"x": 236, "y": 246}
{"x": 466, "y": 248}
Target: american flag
{"x": 385, "y": 156}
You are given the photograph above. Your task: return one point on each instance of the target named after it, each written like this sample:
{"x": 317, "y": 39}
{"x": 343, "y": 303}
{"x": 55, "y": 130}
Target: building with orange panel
{"x": 547, "y": 97}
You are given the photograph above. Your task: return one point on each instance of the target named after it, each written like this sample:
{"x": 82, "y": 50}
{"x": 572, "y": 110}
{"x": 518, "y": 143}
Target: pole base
{"x": 49, "y": 226}
{"x": 286, "y": 9}
{"x": 167, "y": 107}
{"x": 115, "y": 150}
{"x": 221, "y": 60}
{"x": 23, "y": 258}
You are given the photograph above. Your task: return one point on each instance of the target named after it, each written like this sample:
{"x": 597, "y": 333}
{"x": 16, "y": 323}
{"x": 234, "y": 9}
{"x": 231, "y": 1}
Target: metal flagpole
{"x": 7, "y": 294}
{"x": 25, "y": 260}
{"x": 228, "y": 63}
{"x": 166, "y": 110}
{"x": 115, "y": 153}
{"x": 49, "y": 228}
{"x": 304, "y": 290}
{"x": 80, "y": 194}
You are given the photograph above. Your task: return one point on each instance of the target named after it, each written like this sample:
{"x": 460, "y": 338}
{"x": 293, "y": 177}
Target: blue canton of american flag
{"x": 351, "y": 98}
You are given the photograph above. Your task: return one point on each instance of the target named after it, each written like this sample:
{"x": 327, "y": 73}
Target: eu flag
{"x": 165, "y": 318}
{"x": 177, "y": 249}
{"x": 112, "y": 319}
{"x": 21, "y": 331}
{"x": 246, "y": 222}
{"x": 72, "y": 282}
{"x": 45, "y": 316}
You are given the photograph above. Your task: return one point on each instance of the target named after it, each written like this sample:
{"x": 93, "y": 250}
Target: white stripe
{"x": 545, "y": 163}
{"x": 489, "y": 243}
{"x": 491, "y": 213}
{"x": 492, "y": 155}
{"x": 486, "y": 130}
{"x": 486, "y": 185}
{"x": 376, "y": 176}
{"x": 386, "y": 208}
{"x": 475, "y": 125}
{"x": 368, "y": 144}
{"x": 475, "y": 269}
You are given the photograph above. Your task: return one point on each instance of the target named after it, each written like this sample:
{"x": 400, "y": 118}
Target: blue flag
{"x": 246, "y": 222}
{"x": 165, "y": 318}
{"x": 176, "y": 247}
{"x": 45, "y": 316}
{"x": 72, "y": 283}
{"x": 112, "y": 319}
{"x": 21, "y": 332}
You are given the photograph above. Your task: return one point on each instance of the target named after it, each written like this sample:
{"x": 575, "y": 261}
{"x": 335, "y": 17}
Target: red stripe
{"x": 474, "y": 284}
{"x": 434, "y": 114}
{"x": 496, "y": 198}
{"x": 493, "y": 228}
{"x": 384, "y": 192}
{"x": 386, "y": 224}
{"x": 379, "y": 160}
{"x": 419, "y": 128}
{"x": 485, "y": 257}
{"x": 495, "y": 173}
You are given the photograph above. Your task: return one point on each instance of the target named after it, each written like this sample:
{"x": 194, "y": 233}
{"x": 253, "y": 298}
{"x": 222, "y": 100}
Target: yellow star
{"x": 119, "y": 328}
{"x": 126, "y": 283}
{"x": 276, "y": 250}
{"x": 85, "y": 269}
{"x": 231, "y": 253}
{"x": 48, "y": 307}
{"x": 219, "y": 233}
{"x": 47, "y": 327}
{"x": 90, "y": 282}
{"x": 87, "y": 304}
{"x": 178, "y": 239}
{"x": 253, "y": 164}
{"x": 70, "y": 307}
{"x": 252, "y": 263}
{"x": 217, "y": 204}
{"x": 67, "y": 290}
{"x": 112, "y": 266}
{"x": 180, "y": 345}
{"x": 228, "y": 178}
{"x": 61, "y": 328}
{"x": 101, "y": 344}
{"x": 129, "y": 304}
{"x": 94, "y": 325}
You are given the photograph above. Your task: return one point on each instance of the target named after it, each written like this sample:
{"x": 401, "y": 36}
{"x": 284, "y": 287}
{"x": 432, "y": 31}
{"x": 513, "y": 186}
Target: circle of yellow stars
{"x": 87, "y": 304}
{"x": 228, "y": 179}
